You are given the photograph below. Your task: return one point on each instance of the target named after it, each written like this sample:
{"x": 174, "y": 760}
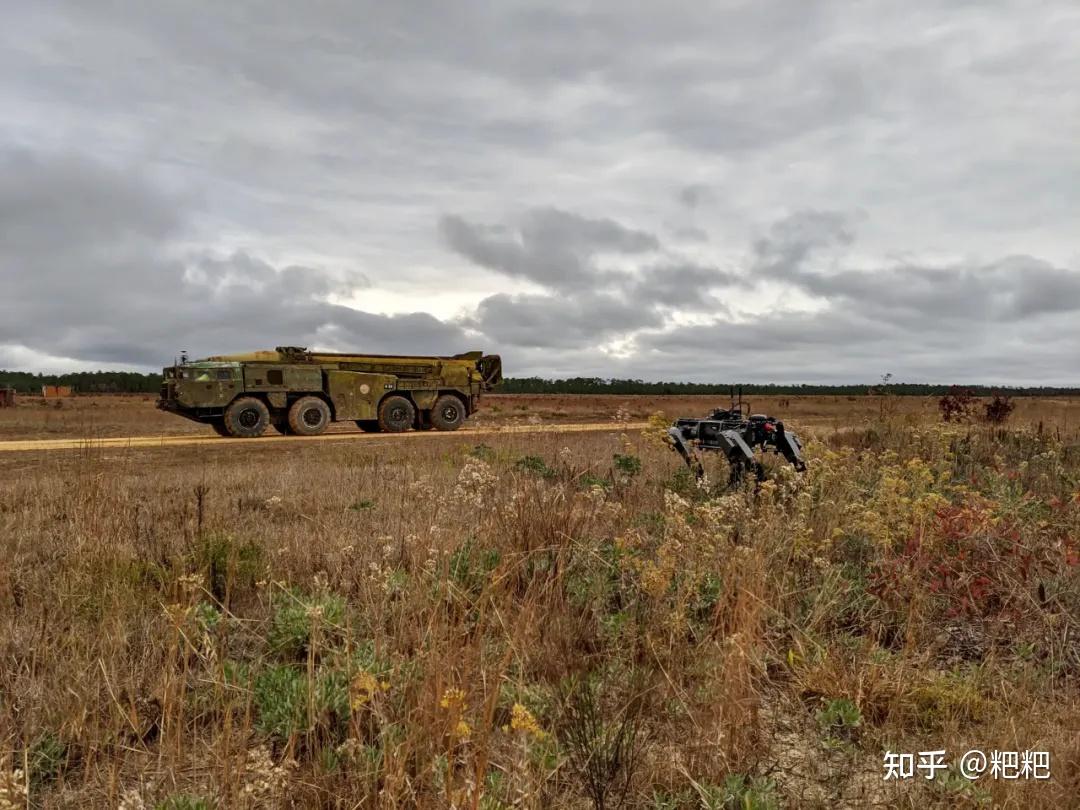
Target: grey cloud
{"x": 572, "y": 323}
{"x": 684, "y": 286}
{"x": 94, "y": 269}
{"x": 792, "y": 240}
{"x": 562, "y": 252}
{"x": 694, "y": 195}
{"x": 337, "y": 134}
{"x": 845, "y": 346}
{"x": 550, "y": 247}
{"x": 1000, "y": 291}
{"x": 691, "y": 233}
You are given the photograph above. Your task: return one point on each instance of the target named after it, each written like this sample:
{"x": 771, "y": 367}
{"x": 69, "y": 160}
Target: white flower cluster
{"x": 475, "y": 481}
{"x": 265, "y": 782}
{"x": 14, "y": 790}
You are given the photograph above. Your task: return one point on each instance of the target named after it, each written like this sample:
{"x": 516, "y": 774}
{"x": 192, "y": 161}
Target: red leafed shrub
{"x": 972, "y": 562}
{"x": 957, "y": 405}
{"x": 999, "y": 409}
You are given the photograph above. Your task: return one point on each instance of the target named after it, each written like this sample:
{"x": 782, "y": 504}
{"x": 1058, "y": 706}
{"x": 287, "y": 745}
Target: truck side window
{"x": 274, "y": 377}
{"x": 224, "y": 374}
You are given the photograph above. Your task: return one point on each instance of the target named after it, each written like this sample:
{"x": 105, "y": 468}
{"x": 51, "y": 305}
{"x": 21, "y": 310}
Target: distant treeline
{"x": 596, "y": 385}
{"x": 86, "y": 382}
{"x": 132, "y": 382}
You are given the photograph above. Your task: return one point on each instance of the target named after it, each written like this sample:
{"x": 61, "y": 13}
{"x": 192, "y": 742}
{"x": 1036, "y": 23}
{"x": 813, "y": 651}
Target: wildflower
{"x": 474, "y": 482}
{"x": 363, "y": 687}
{"x": 177, "y": 613}
{"x": 130, "y": 799}
{"x": 350, "y": 749}
{"x": 453, "y": 699}
{"x": 521, "y": 719}
{"x": 263, "y": 780}
{"x": 462, "y": 730}
{"x": 14, "y": 788}
{"x": 193, "y": 581}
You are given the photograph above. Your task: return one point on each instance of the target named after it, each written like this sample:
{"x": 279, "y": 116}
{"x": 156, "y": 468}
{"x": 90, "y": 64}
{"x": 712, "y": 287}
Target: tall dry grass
{"x": 538, "y": 621}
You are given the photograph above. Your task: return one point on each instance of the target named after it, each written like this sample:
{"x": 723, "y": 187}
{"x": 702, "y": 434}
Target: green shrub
{"x": 535, "y": 464}
{"x": 280, "y": 697}
{"x": 588, "y": 481}
{"x": 298, "y": 616}
{"x": 229, "y": 563}
{"x": 482, "y": 451}
{"x": 470, "y": 569}
{"x": 839, "y": 719}
{"x": 628, "y": 465}
{"x": 47, "y": 758}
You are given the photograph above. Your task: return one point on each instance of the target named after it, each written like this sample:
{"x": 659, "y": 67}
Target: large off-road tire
{"x": 448, "y": 413}
{"x": 247, "y": 418}
{"x": 309, "y": 416}
{"x": 368, "y": 425}
{"x": 219, "y": 427}
{"x": 396, "y": 414}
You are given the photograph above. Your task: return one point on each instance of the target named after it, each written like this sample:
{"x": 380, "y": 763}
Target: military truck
{"x": 301, "y": 392}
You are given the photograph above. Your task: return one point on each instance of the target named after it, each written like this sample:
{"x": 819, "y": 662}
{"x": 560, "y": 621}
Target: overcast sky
{"x": 761, "y": 191}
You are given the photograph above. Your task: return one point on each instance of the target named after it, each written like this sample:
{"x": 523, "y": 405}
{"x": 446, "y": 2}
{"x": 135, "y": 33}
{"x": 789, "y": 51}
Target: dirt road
{"x": 37, "y": 445}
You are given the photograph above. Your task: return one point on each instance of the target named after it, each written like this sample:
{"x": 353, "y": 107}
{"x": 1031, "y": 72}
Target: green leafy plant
{"x": 280, "y": 698}
{"x": 299, "y": 616}
{"x": 628, "y": 465}
{"x": 535, "y": 464}
{"x": 482, "y": 451}
{"x": 839, "y": 719}
{"x": 470, "y": 568}
{"x": 229, "y": 563}
{"x": 47, "y": 758}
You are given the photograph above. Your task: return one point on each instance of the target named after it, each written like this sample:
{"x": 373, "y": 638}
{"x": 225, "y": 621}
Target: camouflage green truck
{"x": 300, "y": 392}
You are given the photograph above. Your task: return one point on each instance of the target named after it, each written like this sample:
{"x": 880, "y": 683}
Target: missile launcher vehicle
{"x": 301, "y": 392}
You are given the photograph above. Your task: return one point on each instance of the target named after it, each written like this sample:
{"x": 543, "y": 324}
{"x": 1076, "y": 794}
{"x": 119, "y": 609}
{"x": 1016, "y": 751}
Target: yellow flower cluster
{"x": 453, "y": 699}
{"x": 521, "y": 719}
{"x": 363, "y": 688}
{"x": 656, "y": 575}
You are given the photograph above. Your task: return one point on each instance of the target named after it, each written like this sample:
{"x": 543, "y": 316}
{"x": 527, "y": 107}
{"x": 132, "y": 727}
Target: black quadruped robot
{"x": 728, "y": 432}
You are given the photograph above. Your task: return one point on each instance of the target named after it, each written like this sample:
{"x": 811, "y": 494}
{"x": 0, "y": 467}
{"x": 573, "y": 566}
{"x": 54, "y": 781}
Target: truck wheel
{"x": 368, "y": 425}
{"x": 247, "y": 418}
{"x": 396, "y": 414}
{"x": 219, "y": 427}
{"x": 448, "y": 413}
{"x": 309, "y": 416}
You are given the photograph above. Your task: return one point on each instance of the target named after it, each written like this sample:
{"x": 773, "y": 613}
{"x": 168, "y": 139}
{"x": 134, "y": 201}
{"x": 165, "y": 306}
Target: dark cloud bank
{"x": 97, "y": 270}
{"x": 754, "y": 191}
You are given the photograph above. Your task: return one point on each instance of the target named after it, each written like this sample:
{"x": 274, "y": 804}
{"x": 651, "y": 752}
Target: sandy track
{"x": 36, "y": 445}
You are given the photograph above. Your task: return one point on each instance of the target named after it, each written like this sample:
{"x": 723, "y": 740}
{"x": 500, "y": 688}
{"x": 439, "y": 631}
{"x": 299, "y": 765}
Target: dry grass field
{"x": 135, "y": 415}
{"x": 541, "y": 620}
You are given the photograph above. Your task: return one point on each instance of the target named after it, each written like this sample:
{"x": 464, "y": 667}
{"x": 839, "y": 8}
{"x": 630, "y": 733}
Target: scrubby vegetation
{"x": 526, "y": 624}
